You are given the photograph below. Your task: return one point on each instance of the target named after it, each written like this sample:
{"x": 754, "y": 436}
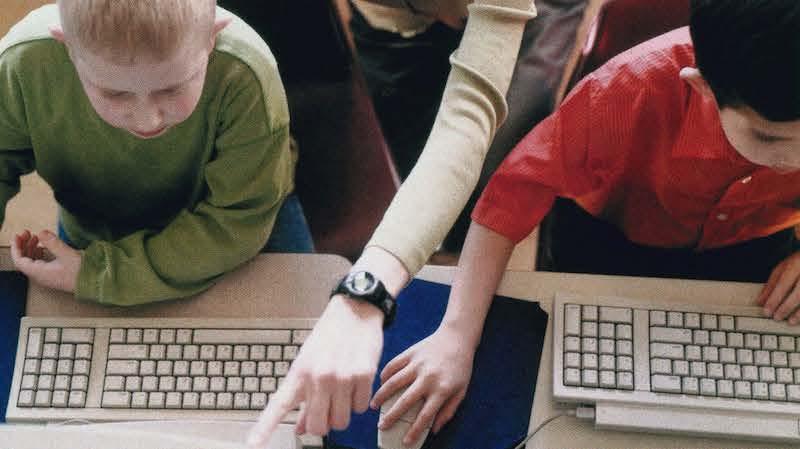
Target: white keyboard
{"x": 123, "y": 369}
{"x": 672, "y": 367}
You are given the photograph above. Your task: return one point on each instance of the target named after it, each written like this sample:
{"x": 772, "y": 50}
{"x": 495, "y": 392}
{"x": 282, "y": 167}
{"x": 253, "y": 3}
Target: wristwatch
{"x": 364, "y": 286}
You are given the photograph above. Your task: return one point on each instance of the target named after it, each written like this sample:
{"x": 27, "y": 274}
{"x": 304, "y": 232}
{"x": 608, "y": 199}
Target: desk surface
{"x": 568, "y": 432}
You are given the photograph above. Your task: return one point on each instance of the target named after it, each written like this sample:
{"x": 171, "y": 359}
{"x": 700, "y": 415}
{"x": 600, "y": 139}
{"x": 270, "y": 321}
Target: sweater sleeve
{"x": 473, "y": 107}
{"x": 16, "y": 157}
{"x": 245, "y": 184}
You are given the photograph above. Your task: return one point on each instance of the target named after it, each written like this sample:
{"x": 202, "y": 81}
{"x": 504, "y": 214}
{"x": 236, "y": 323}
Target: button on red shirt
{"x": 637, "y": 146}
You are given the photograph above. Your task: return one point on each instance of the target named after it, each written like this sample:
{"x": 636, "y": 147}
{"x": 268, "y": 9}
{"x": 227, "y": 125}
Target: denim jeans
{"x": 290, "y": 234}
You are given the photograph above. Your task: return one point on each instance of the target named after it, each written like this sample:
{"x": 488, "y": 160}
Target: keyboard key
{"x": 727, "y": 355}
{"x": 726, "y": 323}
{"x": 183, "y": 336}
{"x": 742, "y": 389}
{"x": 158, "y": 352}
{"x": 665, "y": 384}
{"x": 750, "y": 372}
{"x": 572, "y": 376}
{"x": 779, "y": 359}
{"x": 718, "y": 338}
{"x": 709, "y": 321}
{"x": 208, "y": 400}
{"x": 66, "y": 351}
{"x": 191, "y": 400}
{"x": 710, "y": 354}
{"x": 670, "y": 335}
{"x": 572, "y": 360}
{"x": 42, "y": 398}
{"x": 60, "y": 398}
{"x": 665, "y": 350}
{"x": 79, "y": 383}
{"x": 752, "y": 341}
{"x": 744, "y": 356}
{"x": 700, "y": 337}
{"x": 132, "y": 352}
{"x": 766, "y": 374}
{"x": 150, "y": 383}
{"x": 29, "y": 381}
{"x": 607, "y": 379}
{"x": 50, "y": 351}
{"x": 243, "y": 336}
{"x": 690, "y": 385}
{"x": 224, "y": 352}
{"x": 735, "y": 339}
{"x": 658, "y": 318}
{"x": 715, "y": 370}
{"x": 624, "y": 363}
{"x": 588, "y": 329}
{"x": 148, "y": 367}
{"x": 47, "y": 366}
{"x": 607, "y": 362}
{"x": 589, "y": 361}
{"x": 793, "y": 393}
{"x": 77, "y": 335}
{"x": 725, "y": 388}
{"x": 733, "y": 372}
{"x": 116, "y": 399}
{"x": 116, "y": 336}
{"x": 156, "y": 400}
{"x": 587, "y": 345}
{"x": 691, "y": 320}
{"x": 708, "y": 387}
{"x": 26, "y": 398}
{"x": 660, "y": 366}
{"x": 589, "y": 313}
{"x": 589, "y": 378}
{"x": 258, "y": 401}
{"x": 625, "y": 380}
{"x": 794, "y": 360}
{"x": 139, "y": 400}
{"x": 268, "y": 384}
{"x": 52, "y": 335}
{"x": 166, "y": 336}
{"x": 572, "y": 320}
{"x": 83, "y": 351}
{"x": 769, "y": 342}
{"x": 31, "y": 366}
{"x": 760, "y": 390}
{"x": 241, "y": 352}
{"x": 572, "y": 344}
{"x": 241, "y": 401}
{"x": 693, "y": 353}
{"x": 606, "y": 346}
{"x": 616, "y": 315}
{"x": 225, "y": 401}
{"x": 784, "y": 375}
{"x": 191, "y": 352}
{"x": 698, "y": 369}
{"x": 624, "y": 347}
{"x": 675, "y": 319}
{"x": 77, "y": 399}
{"x": 680, "y": 367}
{"x": 174, "y": 400}
{"x": 183, "y": 384}
{"x": 133, "y": 336}
{"x": 606, "y": 330}
{"x": 762, "y": 358}
{"x": 786, "y": 343}
{"x": 114, "y": 383}
{"x": 624, "y": 332}
{"x": 133, "y": 383}
{"x": 777, "y": 392}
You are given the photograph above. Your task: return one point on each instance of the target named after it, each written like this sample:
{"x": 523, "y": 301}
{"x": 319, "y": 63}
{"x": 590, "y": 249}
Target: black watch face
{"x": 361, "y": 283}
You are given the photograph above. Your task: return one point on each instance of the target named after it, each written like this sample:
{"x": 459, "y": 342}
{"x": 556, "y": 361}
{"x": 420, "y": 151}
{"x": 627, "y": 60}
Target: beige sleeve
{"x": 472, "y": 108}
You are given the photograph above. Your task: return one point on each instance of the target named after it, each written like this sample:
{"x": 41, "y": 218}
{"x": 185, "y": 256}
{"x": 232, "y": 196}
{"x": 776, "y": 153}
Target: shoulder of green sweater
{"x": 242, "y": 43}
{"x": 32, "y": 29}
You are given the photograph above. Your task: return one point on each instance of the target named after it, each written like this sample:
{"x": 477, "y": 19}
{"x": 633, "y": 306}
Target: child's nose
{"x": 147, "y": 117}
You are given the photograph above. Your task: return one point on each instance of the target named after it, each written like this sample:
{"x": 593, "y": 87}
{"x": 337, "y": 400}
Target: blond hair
{"x": 124, "y": 30}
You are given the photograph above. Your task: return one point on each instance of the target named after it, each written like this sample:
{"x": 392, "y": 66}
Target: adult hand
{"x": 437, "y": 371}
{"x": 781, "y": 294}
{"x": 46, "y": 260}
{"x": 332, "y": 374}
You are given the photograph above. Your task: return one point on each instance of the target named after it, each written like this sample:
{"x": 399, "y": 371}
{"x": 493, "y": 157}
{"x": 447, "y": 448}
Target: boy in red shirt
{"x": 683, "y": 157}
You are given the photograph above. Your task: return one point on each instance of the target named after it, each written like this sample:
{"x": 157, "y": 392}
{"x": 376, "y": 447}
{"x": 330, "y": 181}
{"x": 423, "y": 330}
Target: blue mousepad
{"x": 496, "y": 411}
{"x": 13, "y": 288}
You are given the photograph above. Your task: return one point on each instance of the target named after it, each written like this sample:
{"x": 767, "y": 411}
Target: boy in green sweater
{"x": 162, "y": 128}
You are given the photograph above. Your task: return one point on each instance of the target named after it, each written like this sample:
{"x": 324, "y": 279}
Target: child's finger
{"x": 30, "y": 247}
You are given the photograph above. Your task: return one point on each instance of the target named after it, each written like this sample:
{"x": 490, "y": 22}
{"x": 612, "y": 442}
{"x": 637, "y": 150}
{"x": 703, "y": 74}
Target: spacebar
{"x": 241, "y": 336}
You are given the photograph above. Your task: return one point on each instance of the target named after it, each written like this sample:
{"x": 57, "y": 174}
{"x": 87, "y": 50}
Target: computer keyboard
{"x": 678, "y": 367}
{"x": 115, "y": 369}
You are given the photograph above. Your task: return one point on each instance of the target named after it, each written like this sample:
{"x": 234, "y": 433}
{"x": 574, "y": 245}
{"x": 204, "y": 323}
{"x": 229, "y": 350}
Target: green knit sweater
{"x": 161, "y": 218}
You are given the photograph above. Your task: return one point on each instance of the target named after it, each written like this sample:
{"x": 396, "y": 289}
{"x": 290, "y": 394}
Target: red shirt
{"x": 637, "y": 146}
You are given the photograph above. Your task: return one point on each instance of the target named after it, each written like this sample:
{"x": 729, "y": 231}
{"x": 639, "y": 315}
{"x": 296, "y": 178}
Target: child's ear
{"x": 219, "y": 25}
{"x": 57, "y": 33}
{"x": 695, "y": 79}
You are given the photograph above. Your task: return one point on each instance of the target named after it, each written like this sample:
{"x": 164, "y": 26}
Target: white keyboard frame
{"x": 92, "y": 411}
{"x": 641, "y": 397}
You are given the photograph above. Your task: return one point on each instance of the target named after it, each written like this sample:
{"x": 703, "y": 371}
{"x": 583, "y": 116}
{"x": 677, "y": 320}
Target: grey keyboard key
{"x": 26, "y": 398}
{"x": 606, "y": 330}
{"x": 139, "y": 399}
{"x": 77, "y": 335}
{"x": 726, "y": 323}
{"x": 66, "y": 351}
{"x": 572, "y": 376}
{"x": 243, "y": 336}
{"x": 718, "y": 338}
{"x": 588, "y": 329}
{"x": 572, "y": 360}
{"x": 625, "y": 380}
{"x": 750, "y": 372}
{"x": 77, "y": 399}
{"x": 122, "y": 367}
{"x": 60, "y": 398}
{"x": 744, "y": 356}
{"x": 760, "y": 390}
{"x": 616, "y": 315}
{"x": 660, "y": 366}
{"x": 675, "y": 319}
{"x": 116, "y": 399}
{"x": 42, "y": 398}
{"x": 589, "y": 313}
{"x": 691, "y": 320}
{"x": 793, "y": 393}
{"x": 62, "y": 382}
{"x": 784, "y": 375}
{"x": 700, "y": 337}
{"x": 587, "y": 361}
{"x": 766, "y": 374}
{"x": 690, "y": 385}
{"x": 156, "y": 399}
{"x": 735, "y": 339}
{"x": 666, "y": 350}
{"x": 52, "y": 335}
{"x": 35, "y": 342}
{"x": 608, "y": 379}
{"x": 742, "y": 389}
{"x": 658, "y": 318}
{"x": 708, "y": 321}
{"x": 128, "y": 352}
{"x": 624, "y": 332}
{"x": 607, "y": 362}
{"x": 715, "y": 370}
{"x": 779, "y": 359}
{"x": 241, "y": 401}
{"x": 589, "y": 378}
{"x": 572, "y": 320}
{"x": 680, "y": 367}
{"x": 624, "y": 363}
{"x": 174, "y": 400}
{"x": 79, "y": 383}
{"x": 225, "y": 401}
{"x": 670, "y": 335}
{"x": 258, "y": 401}
{"x": 664, "y": 383}
{"x": 191, "y": 400}
{"x": 769, "y": 342}
{"x": 777, "y": 392}
{"x": 786, "y": 343}
{"x": 698, "y": 369}
{"x": 725, "y": 388}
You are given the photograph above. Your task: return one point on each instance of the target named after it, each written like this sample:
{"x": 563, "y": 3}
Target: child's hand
{"x": 780, "y": 296}
{"x": 438, "y": 370}
{"x": 46, "y": 260}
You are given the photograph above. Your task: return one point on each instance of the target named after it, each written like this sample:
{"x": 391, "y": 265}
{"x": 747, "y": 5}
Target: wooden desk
{"x": 568, "y": 432}
{"x": 270, "y": 285}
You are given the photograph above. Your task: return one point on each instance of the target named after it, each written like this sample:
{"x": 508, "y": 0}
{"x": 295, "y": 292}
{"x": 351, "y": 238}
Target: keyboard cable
{"x": 582, "y": 412}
